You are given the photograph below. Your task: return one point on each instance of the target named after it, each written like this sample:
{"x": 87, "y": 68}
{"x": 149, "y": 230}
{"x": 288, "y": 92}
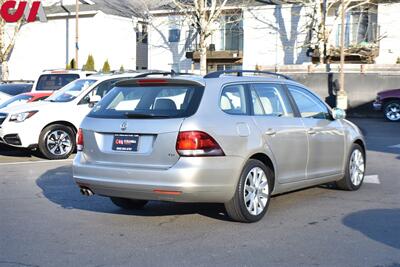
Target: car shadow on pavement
{"x": 58, "y": 186}
{"x": 8, "y": 151}
{"x": 381, "y": 225}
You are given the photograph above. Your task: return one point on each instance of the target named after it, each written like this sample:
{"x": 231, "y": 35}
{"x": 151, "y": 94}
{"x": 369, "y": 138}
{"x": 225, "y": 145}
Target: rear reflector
{"x": 197, "y": 144}
{"x": 165, "y": 192}
{"x": 79, "y": 140}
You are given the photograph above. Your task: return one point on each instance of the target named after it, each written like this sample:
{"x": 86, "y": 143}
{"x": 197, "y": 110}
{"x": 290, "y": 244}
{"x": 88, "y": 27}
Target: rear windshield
{"x": 53, "y": 82}
{"x": 15, "y": 89}
{"x": 149, "y": 102}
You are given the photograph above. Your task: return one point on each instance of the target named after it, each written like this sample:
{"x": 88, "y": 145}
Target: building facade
{"x": 103, "y": 33}
{"x": 266, "y": 34}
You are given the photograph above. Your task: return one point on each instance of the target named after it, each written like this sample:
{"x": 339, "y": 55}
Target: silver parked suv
{"x": 221, "y": 138}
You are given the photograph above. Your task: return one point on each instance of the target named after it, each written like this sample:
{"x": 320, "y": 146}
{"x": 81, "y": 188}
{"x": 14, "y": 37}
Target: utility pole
{"x": 341, "y": 98}
{"x": 77, "y": 34}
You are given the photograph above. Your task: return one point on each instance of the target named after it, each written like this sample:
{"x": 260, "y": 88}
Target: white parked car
{"x": 53, "y": 80}
{"x": 51, "y": 125}
{"x": 4, "y": 97}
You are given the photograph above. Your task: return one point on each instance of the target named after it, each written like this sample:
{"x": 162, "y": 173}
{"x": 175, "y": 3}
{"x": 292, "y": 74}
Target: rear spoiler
{"x": 158, "y": 82}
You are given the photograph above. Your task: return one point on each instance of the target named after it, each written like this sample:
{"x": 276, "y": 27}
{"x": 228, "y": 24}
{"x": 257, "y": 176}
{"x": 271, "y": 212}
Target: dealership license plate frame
{"x": 125, "y": 142}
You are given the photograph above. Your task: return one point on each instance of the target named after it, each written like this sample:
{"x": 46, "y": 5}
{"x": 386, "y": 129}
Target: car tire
{"x": 252, "y": 194}
{"x": 355, "y": 170}
{"x": 57, "y": 142}
{"x": 128, "y": 204}
{"x": 391, "y": 110}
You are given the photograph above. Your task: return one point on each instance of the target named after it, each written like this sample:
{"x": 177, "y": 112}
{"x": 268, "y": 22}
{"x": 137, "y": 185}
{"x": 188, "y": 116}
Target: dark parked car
{"x": 14, "y": 89}
{"x": 389, "y": 102}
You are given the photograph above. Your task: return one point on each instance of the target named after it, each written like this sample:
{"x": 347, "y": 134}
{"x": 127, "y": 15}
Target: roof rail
{"x": 63, "y": 69}
{"x": 163, "y": 73}
{"x": 217, "y": 74}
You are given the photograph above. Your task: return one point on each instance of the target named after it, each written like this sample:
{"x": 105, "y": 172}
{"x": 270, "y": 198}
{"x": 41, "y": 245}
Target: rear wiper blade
{"x": 144, "y": 115}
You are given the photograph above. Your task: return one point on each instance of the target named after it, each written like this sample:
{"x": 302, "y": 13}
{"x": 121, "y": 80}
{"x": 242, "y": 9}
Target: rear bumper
{"x": 208, "y": 179}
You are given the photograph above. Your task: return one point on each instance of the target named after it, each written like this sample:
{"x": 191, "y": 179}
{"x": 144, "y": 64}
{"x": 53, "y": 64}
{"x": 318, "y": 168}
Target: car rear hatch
{"x": 137, "y": 123}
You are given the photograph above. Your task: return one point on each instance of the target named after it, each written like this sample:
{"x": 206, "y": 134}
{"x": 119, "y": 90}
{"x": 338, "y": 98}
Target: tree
{"x": 122, "y": 69}
{"x": 322, "y": 31}
{"x": 89, "y": 66}
{"x": 72, "y": 64}
{"x": 203, "y": 15}
{"x": 106, "y": 67}
{"x": 8, "y": 36}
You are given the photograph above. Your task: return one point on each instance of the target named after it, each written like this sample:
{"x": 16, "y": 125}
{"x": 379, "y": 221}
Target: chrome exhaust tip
{"x": 86, "y": 192}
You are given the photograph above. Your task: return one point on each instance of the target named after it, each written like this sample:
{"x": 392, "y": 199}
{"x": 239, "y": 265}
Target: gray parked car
{"x": 228, "y": 139}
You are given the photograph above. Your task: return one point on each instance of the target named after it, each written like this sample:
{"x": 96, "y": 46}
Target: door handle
{"x": 311, "y": 131}
{"x": 270, "y": 132}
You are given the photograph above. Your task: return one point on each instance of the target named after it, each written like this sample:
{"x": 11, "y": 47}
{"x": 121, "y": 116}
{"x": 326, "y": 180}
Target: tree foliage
{"x": 106, "y": 67}
{"x": 89, "y": 66}
{"x": 72, "y": 64}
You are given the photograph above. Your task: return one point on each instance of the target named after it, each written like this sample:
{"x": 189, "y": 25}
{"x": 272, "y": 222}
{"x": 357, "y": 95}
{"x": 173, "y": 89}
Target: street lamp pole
{"x": 341, "y": 98}
{"x": 77, "y": 34}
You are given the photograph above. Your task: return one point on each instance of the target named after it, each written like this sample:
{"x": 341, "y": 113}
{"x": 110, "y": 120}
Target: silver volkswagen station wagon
{"x": 223, "y": 138}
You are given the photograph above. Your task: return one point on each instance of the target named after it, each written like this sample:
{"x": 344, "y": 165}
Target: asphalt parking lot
{"x": 44, "y": 221}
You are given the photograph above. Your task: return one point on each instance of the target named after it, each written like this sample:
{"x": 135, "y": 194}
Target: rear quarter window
{"x": 233, "y": 99}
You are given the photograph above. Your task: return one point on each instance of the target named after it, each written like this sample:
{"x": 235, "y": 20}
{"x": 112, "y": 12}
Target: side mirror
{"x": 338, "y": 114}
{"x": 94, "y": 99}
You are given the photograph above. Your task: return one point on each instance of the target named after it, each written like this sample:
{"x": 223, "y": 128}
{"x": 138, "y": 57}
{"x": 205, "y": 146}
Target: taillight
{"x": 79, "y": 140}
{"x": 197, "y": 144}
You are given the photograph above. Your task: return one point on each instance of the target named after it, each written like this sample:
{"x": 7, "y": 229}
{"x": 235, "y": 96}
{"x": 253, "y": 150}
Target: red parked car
{"x": 25, "y": 98}
{"x": 389, "y": 102}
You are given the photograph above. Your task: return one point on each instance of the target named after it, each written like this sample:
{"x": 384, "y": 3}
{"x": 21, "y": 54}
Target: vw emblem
{"x": 124, "y": 126}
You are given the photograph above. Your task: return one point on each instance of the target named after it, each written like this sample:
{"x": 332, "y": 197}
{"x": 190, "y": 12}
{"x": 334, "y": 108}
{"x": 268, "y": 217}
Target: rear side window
{"x": 233, "y": 100}
{"x": 270, "y": 100}
{"x": 149, "y": 102}
{"x": 53, "y": 82}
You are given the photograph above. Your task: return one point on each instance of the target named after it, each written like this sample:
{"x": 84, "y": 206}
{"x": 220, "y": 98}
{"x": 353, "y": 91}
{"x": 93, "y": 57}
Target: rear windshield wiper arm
{"x": 144, "y": 115}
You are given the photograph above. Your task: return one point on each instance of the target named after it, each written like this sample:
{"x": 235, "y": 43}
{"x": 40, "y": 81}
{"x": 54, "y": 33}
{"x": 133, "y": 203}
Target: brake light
{"x": 79, "y": 140}
{"x": 152, "y": 81}
{"x": 197, "y": 144}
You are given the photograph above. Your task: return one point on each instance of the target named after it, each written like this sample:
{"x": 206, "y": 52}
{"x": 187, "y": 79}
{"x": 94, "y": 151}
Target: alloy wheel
{"x": 59, "y": 143}
{"x": 256, "y": 191}
{"x": 357, "y": 167}
{"x": 392, "y": 111}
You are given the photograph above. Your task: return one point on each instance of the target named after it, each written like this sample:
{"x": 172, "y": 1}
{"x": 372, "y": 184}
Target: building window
{"x": 361, "y": 27}
{"x": 232, "y": 33}
{"x": 174, "y": 35}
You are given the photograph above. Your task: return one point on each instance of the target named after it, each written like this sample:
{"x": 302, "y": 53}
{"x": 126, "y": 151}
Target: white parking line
{"x": 395, "y": 146}
{"x": 34, "y": 162}
{"x": 372, "y": 179}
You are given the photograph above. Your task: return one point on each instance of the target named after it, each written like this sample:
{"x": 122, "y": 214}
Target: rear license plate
{"x": 125, "y": 142}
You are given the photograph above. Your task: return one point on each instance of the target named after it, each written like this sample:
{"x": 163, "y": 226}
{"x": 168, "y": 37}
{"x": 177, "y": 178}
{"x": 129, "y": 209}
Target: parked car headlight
{"x": 21, "y": 117}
